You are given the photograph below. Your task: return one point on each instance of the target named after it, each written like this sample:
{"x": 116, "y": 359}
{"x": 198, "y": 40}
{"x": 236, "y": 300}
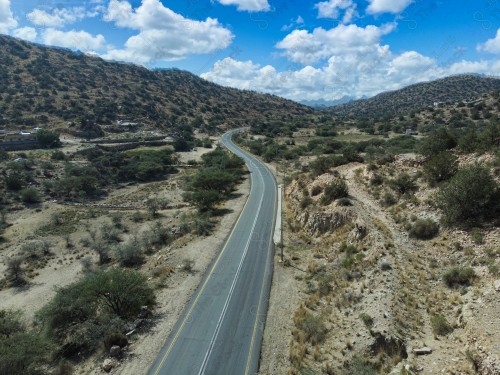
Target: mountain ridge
{"x": 420, "y": 95}
{"x": 55, "y": 87}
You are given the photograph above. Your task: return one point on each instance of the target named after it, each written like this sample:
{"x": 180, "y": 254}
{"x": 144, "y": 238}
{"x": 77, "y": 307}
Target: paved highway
{"x": 220, "y": 330}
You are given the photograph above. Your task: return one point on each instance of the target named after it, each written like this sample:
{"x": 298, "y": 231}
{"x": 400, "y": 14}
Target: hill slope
{"x": 53, "y": 86}
{"x": 419, "y": 96}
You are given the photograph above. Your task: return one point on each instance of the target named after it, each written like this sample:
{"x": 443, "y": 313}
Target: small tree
{"x": 335, "y": 190}
{"x": 204, "y": 200}
{"x": 15, "y": 273}
{"x": 30, "y": 195}
{"x": 403, "y": 184}
{"x": 470, "y": 195}
{"x": 48, "y": 139}
{"x": 437, "y": 141}
{"x": 441, "y": 167}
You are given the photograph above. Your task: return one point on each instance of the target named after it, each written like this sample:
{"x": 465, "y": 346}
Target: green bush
{"x": 21, "y": 352}
{"x": 360, "y": 366}
{"x": 403, "y": 184}
{"x": 48, "y": 139}
{"x": 424, "y": 229}
{"x": 440, "y": 325}
{"x": 441, "y": 167}
{"x": 130, "y": 254}
{"x": 81, "y": 314}
{"x": 313, "y": 328}
{"x": 30, "y": 195}
{"x": 335, "y": 190}
{"x": 470, "y": 196}
{"x": 437, "y": 141}
{"x": 367, "y": 319}
{"x": 458, "y": 275}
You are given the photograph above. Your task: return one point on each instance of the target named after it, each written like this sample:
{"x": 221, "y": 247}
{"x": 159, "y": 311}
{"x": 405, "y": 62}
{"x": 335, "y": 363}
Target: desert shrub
{"x": 187, "y": 265}
{"x": 30, "y": 195}
{"x": 47, "y": 138}
{"x": 388, "y": 199}
{"x": 376, "y": 179}
{"x": 440, "y": 325}
{"x": 313, "y": 328}
{"x": 203, "y": 226}
{"x": 403, "y": 184}
{"x": 441, "y": 167}
{"x": 203, "y": 200}
{"x": 21, "y": 352}
{"x": 360, "y": 366}
{"x": 437, "y": 141}
{"x": 305, "y": 202}
{"x": 367, "y": 319}
{"x": 14, "y": 181}
{"x": 459, "y": 275}
{"x": 316, "y": 189}
{"x": 58, "y": 155}
{"x": 477, "y": 236}
{"x": 335, "y": 190}
{"x": 110, "y": 234}
{"x": 155, "y": 204}
{"x": 15, "y": 272}
{"x": 424, "y": 229}
{"x": 344, "y": 202}
{"x": 81, "y": 314}
{"x": 130, "y": 254}
{"x": 469, "y": 196}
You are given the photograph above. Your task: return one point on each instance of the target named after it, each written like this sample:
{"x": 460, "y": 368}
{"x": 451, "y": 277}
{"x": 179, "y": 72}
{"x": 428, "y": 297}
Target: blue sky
{"x": 302, "y": 50}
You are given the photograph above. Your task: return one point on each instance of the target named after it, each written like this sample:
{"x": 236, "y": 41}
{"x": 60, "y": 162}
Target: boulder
{"x": 422, "y": 351}
{"x": 108, "y": 364}
{"x": 115, "y": 351}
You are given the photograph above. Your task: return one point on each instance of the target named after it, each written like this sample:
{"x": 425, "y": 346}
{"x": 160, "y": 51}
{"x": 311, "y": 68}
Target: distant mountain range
{"x": 52, "y": 87}
{"x": 322, "y": 103}
{"x": 419, "y": 96}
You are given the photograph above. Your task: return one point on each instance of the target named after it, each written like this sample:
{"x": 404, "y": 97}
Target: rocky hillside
{"x": 53, "y": 87}
{"x": 415, "y": 97}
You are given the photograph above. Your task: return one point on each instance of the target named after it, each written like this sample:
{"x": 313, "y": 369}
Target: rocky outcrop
{"x": 324, "y": 221}
{"x": 315, "y": 218}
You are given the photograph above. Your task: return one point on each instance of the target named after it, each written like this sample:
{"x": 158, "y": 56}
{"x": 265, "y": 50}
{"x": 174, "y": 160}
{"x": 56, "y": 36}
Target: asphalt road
{"x": 220, "y": 330}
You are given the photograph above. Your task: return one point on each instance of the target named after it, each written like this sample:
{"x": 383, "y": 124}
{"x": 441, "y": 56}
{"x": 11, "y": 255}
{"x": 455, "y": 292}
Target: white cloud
{"x": 387, "y": 6}
{"x": 491, "y": 45}
{"x": 163, "y": 34}
{"x": 307, "y": 48}
{"x": 77, "y": 40}
{"x": 248, "y": 5}
{"x": 7, "y": 20}
{"x": 331, "y": 9}
{"x": 363, "y": 68}
{"x": 60, "y": 16}
{"x": 26, "y": 33}
{"x": 297, "y": 22}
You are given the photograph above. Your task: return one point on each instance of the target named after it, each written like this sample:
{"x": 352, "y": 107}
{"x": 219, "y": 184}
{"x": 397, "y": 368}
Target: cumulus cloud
{"x": 491, "y": 45}
{"x": 7, "y": 20}
{"x": 387, "y": 6}
{"x": 77, "y": 40}
{"x": 248, "y": 5}
{"x": 163, "y": 34}
{"x": 309, "y": 47}
{"x": 342, "y": 75}
{"x": 331, "y": 9}
{"x": 296, "y": 22}
{"x": 26, "y": 33}
{"x": 59, "y": 17}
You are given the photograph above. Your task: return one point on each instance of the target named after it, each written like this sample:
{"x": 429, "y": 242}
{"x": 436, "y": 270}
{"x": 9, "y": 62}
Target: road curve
{"x": 220, "y": 330}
